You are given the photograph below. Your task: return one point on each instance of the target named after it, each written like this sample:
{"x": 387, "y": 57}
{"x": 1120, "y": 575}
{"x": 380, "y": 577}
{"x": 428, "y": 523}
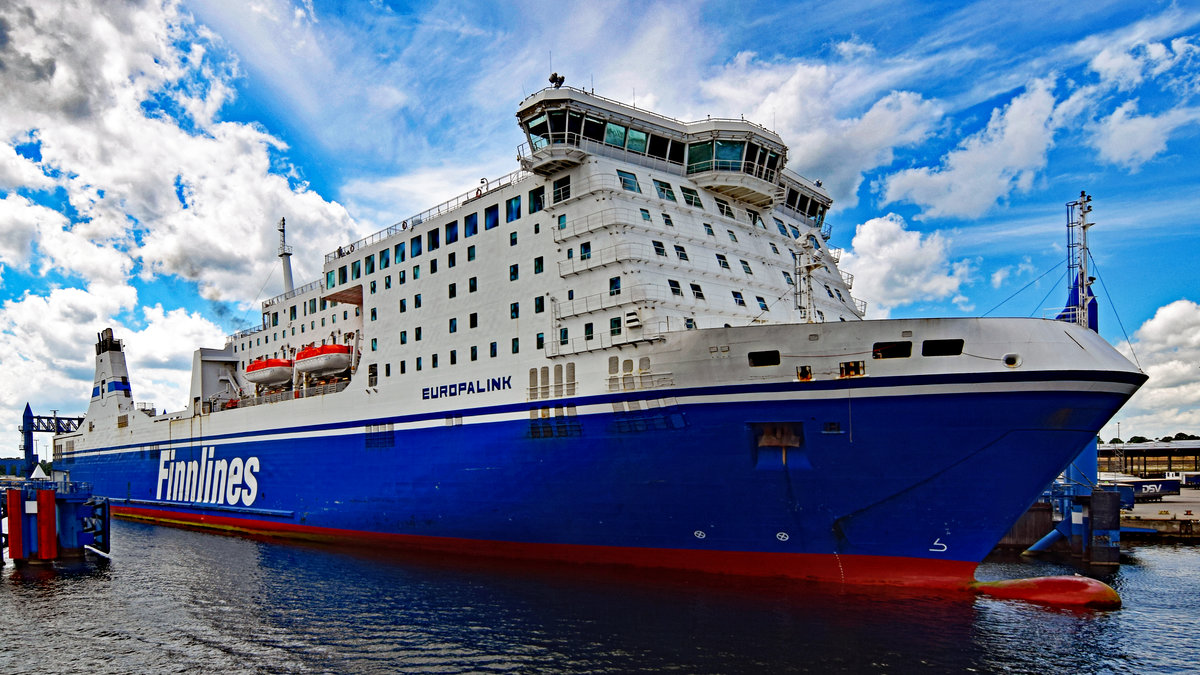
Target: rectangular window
{"x": 664, "y": 190}
{"x": 732, "y": 236}
{"x": 697, "y": 292}
{"x": 401, "y": 276}
{"x": 645, "y": 214}
{"x": 342, "y": 277}
{"x": 585, "y": 250}
{"x": 562, "y": 190}
{"x": 372, "y": 314}
{"x": 788, "y": 278}
{"x": 416, "y": 272}
{"x": 537, "y": 265}
{"x": 385, "y": 258}
{"x": 514, "y": 310}
{"x": 453, "y": 356}
{"x": 941, "y": 347}
{"x": 614, "y": 286}
{"x": 512, "y": 238}
{"x": 629, "y": 181}
{"x": 417, "y": 334}
{"x": 614, "y": 326}
{"x": 451, "y": 232}
{"x": 722, "y": 261}
{"x": 513, "y": 272}
{"x": 746, "y": 267}
{"x": 491, "y": 216}
{"x": 470, "y": 225}
{"x": 724, "y": 209}
{"x": 562, "y": 221}
{"x": 681, "y": 252}
{"x": 473, "y": 320}
{"x": 516, "y": 345}
{"x": 675, "y": 289}
{"x": 537, "y": 199}
{"x": 659, "y": 248}
{"x": 738, "y": 299}
{"x": 472, "y": 284}
{"x": 387, "y": 282}
{"x": 329, "y": 279}
{"x": 708, "y": 230}
{"x": 539, "y": 304}
{"x": 452, "y": 289}
{"x": 614, "y": 134}
{"x": 636, "y": 141}
{"x": 451, "y": 258}
{"x": 418, "y": 363}
{"x": 433, "y": 361}
{"x": 474, "y": 353}
{"x": 433, "y": 239}
{"x": 369, "y": 264}
{"x": 453, "y": 325}
{"x": 403, "y": 337}
{"x": 414, "y": 246}
{"x": 562, "y": 336}
{"x": 433, "y": 266}
{"x": 512, "y": 209}
{"x": 492, "y": 351}
{"x": 400, "y": 252}
{"x": 374, "y": 345}
{"x": 780, "y": 226}
{"x": 760, "y": 359}
{"x": 470, "y": 253}
{"x": 541, "y": 340}
{"x": 667, "y": 220}
{"x": 417, "y": 301}
{"x": 355, "y": 269}
{"x": 588, "y": 331}
{"x": 892, "y": 350}
{"x": 762, "y": 304}
{"x": 691, "y": 197}
{"x": 403, "y": 305}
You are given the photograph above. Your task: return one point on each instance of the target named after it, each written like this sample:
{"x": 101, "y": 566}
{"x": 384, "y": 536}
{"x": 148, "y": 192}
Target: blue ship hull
{"x": 913, "y": 488}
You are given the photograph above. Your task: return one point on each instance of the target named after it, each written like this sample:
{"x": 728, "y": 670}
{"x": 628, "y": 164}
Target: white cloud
{"x": 894, "y": 266}
{"x": 818, "y": 109}
{"x": 1168, "y": 349}
{"x": 1002, "y": 158}
{"x": 1131, "y": 140}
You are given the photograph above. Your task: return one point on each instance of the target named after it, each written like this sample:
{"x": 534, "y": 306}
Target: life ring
{"x": 478, "y": 192}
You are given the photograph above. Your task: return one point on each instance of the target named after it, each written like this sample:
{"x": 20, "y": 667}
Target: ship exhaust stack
{"x": 285, "y": 254}
{"x": 111, "y": 394}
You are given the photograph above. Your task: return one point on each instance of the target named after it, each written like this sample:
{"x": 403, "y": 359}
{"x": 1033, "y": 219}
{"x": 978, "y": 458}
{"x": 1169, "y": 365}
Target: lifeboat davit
{"x": 321, "y": 360}
{"x": 269, "y": 371}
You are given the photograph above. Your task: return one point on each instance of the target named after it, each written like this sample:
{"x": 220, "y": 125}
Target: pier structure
{"x": 47, "y": 519}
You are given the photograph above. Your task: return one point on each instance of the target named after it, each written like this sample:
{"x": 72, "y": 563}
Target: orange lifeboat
{"x": 322, "y": 360}
{"x": 269, "y": 371}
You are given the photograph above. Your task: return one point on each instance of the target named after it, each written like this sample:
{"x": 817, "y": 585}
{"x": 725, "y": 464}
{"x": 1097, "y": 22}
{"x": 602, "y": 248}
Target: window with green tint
{"x": 356, "y": 269}
{"x": 541, "y": 340}
{"x": 470, "y": 253}
{"x": 512, "y": 209}
{"x": 614, "y": 325}
{"x": 329, "y": 279}
{"x": 691, "y": 197}
{"x": 470, "y": 225}
{"x": 385, "y": 258}
{"x": 539, "y": 305}
{"x": 537, "y": 200}
{"x": 369, "y": 264}
{"x": 451, "y": 232}
{"x": 537, "y": 265}
{"x": 614, "y": 134}
{"x": 414, "y": 246}
{"x": 491, "y": 216}
{"x": 729, "y": 155}
{"x": 400, "y": 252}
{"x": 700, "y": 157}
{"x": 342, "y": 278}
{"x": 636, "y": 141}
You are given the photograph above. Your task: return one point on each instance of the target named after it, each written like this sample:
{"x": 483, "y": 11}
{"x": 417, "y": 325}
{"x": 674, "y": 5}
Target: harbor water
{"x": 174, "y": 600}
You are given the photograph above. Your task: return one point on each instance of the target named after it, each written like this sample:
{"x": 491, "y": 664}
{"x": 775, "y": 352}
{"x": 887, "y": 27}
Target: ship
{"x": 636, "y": 349}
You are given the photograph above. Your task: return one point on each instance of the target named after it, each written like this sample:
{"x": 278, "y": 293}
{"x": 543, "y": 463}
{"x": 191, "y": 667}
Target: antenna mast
{"x": 1077, "y": 255}
{"x": 285, "y": 254}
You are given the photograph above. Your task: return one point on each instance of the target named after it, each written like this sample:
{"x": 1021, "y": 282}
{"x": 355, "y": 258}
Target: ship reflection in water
{"x": 177, "y": 600}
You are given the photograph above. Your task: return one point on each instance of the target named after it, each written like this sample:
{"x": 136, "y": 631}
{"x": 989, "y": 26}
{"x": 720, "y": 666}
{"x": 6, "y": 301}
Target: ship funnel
{"x": 285, "y": 254}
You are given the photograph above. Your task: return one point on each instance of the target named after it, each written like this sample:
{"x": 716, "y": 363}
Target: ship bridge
{"x": 733, "y": 157}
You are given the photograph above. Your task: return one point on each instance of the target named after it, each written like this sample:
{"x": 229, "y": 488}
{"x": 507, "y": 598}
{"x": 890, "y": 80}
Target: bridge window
{"x": 614, "y": 135}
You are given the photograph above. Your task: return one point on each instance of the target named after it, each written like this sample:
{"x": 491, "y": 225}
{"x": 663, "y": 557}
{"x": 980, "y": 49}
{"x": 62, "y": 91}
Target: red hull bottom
{"x": 848, "y": 569}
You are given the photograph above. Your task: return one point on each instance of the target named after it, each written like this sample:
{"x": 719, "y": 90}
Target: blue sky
{"x": 147, "y": 148}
